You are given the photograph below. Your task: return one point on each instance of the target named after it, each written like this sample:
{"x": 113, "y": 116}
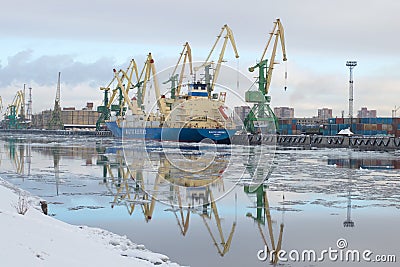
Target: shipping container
{"x": 379, "y": 127}
{"x": 388, "y": 120}
{"x": 364, "y": 120}
{"x": 340, "y": 120}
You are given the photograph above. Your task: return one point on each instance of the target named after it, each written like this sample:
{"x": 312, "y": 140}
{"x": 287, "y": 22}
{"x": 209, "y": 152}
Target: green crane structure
{"x": 108, "y": 101}
{"x": 14, "y": 114}
{"x": 261, "y": 118}
{"x": 56, "y": 122}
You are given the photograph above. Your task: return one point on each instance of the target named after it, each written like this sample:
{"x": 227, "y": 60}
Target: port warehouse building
{"x": 331, "y": 126}
{"x": 71, "y": 118}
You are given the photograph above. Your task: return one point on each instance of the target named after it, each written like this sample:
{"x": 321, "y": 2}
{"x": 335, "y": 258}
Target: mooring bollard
{"x": 43, "y": 205}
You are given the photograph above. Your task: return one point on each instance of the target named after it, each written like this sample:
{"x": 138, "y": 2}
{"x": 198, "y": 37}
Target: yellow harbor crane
{"x": 186, "y": 54}
{"x": 122, "y": 92}
{"x": 278, "y": 32}
{"x": 207, "y": 63}
{"x": 142, "y": 80}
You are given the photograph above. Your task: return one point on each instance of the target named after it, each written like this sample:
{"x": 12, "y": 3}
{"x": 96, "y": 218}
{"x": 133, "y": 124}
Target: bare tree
{"x": 22, "y": 205}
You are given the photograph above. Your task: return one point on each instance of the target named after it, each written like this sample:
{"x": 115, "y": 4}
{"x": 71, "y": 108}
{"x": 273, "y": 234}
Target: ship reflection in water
{"x": 160, "y": 198}
{"x": 129, "y": 188}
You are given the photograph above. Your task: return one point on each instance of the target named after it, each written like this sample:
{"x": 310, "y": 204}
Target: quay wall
{"x": 319, "y": 141}
{"x": 56, "y": 132}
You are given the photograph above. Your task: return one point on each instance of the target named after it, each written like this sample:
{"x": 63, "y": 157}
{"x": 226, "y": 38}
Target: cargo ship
{"x": 199, "y": 115}
{"x": 193, "y": 117}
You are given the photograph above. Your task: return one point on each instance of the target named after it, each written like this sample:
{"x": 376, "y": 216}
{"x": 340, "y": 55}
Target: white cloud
{"x": 320, "y": 36}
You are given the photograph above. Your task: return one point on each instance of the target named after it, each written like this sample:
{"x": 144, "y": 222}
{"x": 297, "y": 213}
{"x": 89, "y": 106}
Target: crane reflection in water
{"x": 185, "y": 194}
{"x": 259, "y": 193}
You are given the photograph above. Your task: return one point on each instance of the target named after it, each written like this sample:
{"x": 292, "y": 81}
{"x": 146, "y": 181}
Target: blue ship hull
{"x": 220, "y": 136}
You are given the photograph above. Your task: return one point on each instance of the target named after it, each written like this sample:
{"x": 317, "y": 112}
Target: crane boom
{"x": 278, "y": 32}
{"x": 228, "y": 36}
{"x": 160, "y": 99}
{"x": 130, "y": 69}
{"x": 124, "y": 92}
{"x": 187, "y": 54}
{"x": 16, "y": 104}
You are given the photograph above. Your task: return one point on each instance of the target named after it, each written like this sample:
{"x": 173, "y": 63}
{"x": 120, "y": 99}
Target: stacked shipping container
{"x": 364, "y": 126}
{"x": 359, "y": 126}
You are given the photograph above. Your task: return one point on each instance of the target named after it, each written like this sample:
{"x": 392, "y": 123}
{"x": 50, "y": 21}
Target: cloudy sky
{"x": 85, "y": 40}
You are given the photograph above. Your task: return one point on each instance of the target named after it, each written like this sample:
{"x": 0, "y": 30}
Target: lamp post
{"x": 351, "y": 65}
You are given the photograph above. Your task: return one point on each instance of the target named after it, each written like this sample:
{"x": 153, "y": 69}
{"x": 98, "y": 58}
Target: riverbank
{"x": 35, "y": 239}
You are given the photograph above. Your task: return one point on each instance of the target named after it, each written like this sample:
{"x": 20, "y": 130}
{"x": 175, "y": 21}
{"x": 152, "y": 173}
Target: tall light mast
{"x": 351, "y": 65}
{"x": 22, "y": 113}
{"x": 29, "y": 106}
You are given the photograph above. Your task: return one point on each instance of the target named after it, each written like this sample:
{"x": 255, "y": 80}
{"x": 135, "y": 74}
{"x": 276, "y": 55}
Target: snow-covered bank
{"x": 35, "y": 239}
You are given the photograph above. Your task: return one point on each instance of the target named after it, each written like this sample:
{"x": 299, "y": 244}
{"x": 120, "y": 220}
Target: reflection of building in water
{"x": 370, "y": 163}
{"x": 69, "y": 152}
{"x": 21, "y": 149}
{"x": 263, "y": 216}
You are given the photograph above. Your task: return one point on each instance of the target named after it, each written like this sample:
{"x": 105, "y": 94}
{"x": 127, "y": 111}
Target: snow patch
{"x": 35, "y": 239}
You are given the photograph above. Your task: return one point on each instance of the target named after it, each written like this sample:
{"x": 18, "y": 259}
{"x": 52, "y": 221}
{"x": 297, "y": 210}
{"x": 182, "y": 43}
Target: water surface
{"x": 311, "y": 199}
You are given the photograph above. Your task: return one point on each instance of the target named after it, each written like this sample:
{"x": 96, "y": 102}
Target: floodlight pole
{"x": 351, "y": 65}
